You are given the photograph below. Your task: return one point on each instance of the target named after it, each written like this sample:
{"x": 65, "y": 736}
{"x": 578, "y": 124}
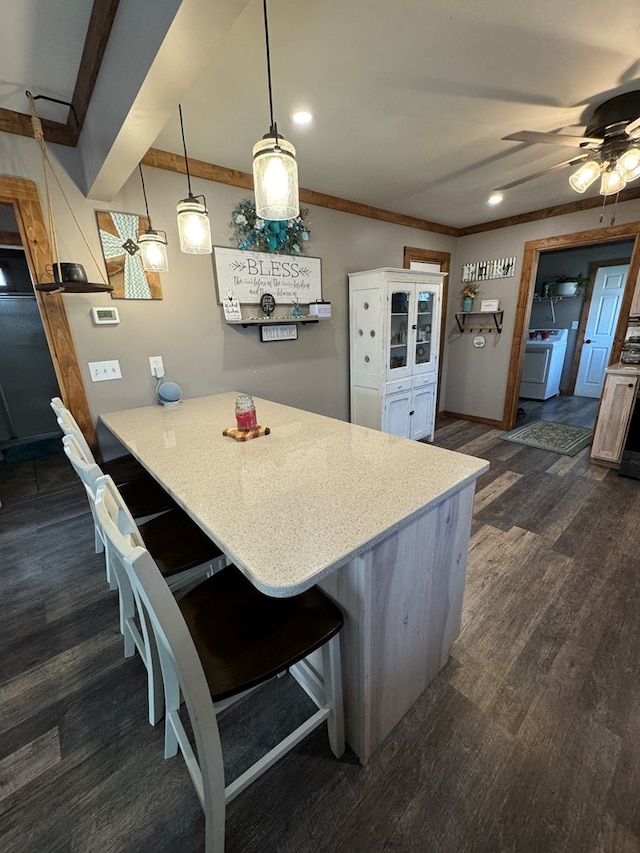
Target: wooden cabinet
{"x": 395, "y": 334}
{"x": 616, "y": 406}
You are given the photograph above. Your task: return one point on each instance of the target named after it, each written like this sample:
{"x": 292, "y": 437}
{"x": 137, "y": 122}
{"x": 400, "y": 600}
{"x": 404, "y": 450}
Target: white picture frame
{"x": 490, "y": 305}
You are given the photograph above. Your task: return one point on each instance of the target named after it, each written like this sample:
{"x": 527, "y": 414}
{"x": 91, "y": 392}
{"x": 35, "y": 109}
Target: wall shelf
{"x": 272, "y": 321}
{"x": 467, "y": 321}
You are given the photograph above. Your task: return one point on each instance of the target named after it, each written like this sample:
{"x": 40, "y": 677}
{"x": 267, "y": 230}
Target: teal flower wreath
{"x": 248, "y": 231}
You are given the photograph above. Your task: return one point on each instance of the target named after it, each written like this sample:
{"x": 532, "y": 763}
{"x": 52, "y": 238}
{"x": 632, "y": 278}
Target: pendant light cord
{"x": 184, "y": 145}
{"x": 144, "y": 193}
{"x": 48, "y": 167}
{"x": 273, "y": 126}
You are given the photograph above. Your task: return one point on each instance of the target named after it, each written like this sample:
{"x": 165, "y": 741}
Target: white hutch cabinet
{"x": 395, "y": 331}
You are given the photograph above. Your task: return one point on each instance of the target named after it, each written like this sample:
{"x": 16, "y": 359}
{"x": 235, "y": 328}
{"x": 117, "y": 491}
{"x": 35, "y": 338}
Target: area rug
{"x": 548, "y": 435}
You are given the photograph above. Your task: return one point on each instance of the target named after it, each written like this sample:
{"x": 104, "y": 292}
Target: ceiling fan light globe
{"x": 583, "y": 177}
{"x": 612, "y": 182}
{"x": 275, "y": 179}
{"x": 628, "y": 165}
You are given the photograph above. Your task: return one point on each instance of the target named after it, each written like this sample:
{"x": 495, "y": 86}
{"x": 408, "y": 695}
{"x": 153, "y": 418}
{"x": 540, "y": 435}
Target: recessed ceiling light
{"x": 302, "y": 117}
{"x": 495, "y": 198}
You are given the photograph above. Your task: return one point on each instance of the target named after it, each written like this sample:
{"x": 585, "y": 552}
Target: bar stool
{"x": 217, "y": 643}
{"x": 123, "y": 469}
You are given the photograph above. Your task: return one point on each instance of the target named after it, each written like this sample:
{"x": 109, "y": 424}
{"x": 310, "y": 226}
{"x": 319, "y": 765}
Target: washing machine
{"x": 543, "y": 361}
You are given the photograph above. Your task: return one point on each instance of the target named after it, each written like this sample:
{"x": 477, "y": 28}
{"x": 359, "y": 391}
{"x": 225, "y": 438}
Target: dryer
{"x": 543, "y": 361}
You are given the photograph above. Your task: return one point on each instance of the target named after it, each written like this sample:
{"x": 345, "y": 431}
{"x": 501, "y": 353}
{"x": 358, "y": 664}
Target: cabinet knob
{"x": 630, "y": 385}
{"x": 414, "y": 326}
{"x": 360, "y": 332}
{"x": 366, "y": 358}
{"x": 372, "y": 333}
{"x": 366, "y": 305}
{"x": 412, "y": 412}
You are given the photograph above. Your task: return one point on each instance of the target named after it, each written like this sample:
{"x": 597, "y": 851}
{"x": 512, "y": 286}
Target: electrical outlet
{"x": 101, "y": 371}
{"x": 156, "y": 365}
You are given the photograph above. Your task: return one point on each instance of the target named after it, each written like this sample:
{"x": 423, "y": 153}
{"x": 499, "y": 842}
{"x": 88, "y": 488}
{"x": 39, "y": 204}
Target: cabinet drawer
{"x": 398, "y": 385}
{"x": 420, "y": 381}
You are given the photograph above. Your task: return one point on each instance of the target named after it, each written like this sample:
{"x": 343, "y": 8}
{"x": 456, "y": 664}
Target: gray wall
{"x": 476, "y": 379}
{"x": 205, "y": 355}
{"x": 201, "y": 352}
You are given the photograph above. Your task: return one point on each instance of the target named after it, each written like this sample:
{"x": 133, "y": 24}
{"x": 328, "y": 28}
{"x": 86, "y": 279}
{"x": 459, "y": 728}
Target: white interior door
{"x": 606, "y": 299}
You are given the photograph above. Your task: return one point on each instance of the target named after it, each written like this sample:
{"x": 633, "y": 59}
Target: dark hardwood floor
{"x": 528, "y": 740}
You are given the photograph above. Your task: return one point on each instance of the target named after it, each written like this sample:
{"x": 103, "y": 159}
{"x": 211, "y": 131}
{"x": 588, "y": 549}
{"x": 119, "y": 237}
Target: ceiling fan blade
{"x": 546, "y": 171}
{"x": 633, "y": 126}
{"x": 554, "y": 138}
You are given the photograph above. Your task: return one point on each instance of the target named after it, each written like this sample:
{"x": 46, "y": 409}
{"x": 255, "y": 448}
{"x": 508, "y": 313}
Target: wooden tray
{"x": 246, "y": 434}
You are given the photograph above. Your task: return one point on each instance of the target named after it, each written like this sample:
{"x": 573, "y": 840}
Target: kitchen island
{"x": 380, "y": 523}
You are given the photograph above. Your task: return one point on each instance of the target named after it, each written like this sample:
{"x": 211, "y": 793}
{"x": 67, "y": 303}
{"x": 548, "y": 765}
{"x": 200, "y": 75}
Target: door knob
{"x": 588, "y": 341}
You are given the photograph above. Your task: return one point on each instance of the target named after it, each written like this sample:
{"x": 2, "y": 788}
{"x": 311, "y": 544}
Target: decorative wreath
{"x": 249, "y": 231}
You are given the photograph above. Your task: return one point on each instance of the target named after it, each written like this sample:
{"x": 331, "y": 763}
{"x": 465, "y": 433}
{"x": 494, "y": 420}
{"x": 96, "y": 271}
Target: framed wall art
{"x": 121, "y": 252}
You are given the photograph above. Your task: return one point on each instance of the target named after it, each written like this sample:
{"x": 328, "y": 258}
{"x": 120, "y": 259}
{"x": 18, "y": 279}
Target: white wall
{"x": 201, "y": 352}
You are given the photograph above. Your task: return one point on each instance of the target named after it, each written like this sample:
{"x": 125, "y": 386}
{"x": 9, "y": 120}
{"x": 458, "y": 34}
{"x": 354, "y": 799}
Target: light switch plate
{"x": 101, "y": 371}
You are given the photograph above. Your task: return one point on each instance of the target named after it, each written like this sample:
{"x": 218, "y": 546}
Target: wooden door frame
{"x": 594, "y": 266}
{"x": 530, "y": 258}
{"x": 22, "y": 195}
{"x": 431, "y": 256}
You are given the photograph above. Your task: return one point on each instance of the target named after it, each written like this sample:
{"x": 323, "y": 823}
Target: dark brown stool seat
{"x": 244, "y": 638}
{"x": 176, "y": 543}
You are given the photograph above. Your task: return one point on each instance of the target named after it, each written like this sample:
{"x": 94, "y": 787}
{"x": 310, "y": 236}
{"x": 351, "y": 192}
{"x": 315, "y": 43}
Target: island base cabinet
{"x": 616, "y": 405}
{"x": 403, "y": 608}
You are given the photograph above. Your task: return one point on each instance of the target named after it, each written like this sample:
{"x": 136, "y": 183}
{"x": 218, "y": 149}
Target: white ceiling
{"x": 411, "y": 98}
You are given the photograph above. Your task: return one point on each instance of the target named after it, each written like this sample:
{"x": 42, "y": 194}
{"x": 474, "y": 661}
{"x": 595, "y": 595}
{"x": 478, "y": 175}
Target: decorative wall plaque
{"x": 118, "y": 238}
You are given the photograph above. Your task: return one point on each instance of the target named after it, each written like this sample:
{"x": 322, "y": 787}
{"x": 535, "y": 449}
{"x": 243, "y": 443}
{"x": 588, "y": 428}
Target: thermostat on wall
{"x": 105, "y": 316}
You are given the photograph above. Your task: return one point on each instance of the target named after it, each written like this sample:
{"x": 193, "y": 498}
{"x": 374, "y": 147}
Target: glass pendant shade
{"x": 612, "y": 182}
{"x": 628, "y": 165}
{"x": 194, "y": 228}
{"x": 582, "y": 179}
{"x": 275, "y": 178}
{"x": 153, "y": 249}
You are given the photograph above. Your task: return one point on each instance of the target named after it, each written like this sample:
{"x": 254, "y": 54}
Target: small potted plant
{"x": 570, "y": 285}
{"x": 469, "y": 293}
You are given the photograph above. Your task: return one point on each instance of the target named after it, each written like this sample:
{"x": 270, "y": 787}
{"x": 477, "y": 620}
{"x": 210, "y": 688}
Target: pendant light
{"x": 275, "y": 171}
{"x": 194, "y": 228}
{"x": 153, "y": 244}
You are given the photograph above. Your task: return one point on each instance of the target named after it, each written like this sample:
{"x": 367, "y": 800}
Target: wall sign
{"x": 287, "y": 332}
{"x": 485, "y": 270}
{"x": 248, "y": 275}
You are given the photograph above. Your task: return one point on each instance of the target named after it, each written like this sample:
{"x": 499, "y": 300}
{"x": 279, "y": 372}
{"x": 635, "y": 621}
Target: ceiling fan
{"x": 610, "y": 147}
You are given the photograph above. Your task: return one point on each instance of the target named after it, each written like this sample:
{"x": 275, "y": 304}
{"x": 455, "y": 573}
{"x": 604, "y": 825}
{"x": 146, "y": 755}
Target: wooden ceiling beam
{"x": 233, "y": 177}
{"x": 103, "y": 13}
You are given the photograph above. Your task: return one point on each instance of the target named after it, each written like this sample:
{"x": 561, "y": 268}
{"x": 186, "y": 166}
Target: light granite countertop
{"x": 292, "y": 506}
{"x": 620, "y": 367}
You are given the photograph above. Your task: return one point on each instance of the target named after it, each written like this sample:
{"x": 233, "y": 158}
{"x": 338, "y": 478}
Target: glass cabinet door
{"x": 399, "y": 330}
{"x": 424, "y": 350}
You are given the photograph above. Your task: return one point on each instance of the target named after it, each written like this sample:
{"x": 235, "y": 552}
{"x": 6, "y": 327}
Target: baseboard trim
{"x": 474, "y": 419}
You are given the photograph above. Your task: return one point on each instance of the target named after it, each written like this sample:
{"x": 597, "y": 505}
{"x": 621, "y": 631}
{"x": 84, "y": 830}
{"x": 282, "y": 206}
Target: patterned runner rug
{"x": 548, "y": 435}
